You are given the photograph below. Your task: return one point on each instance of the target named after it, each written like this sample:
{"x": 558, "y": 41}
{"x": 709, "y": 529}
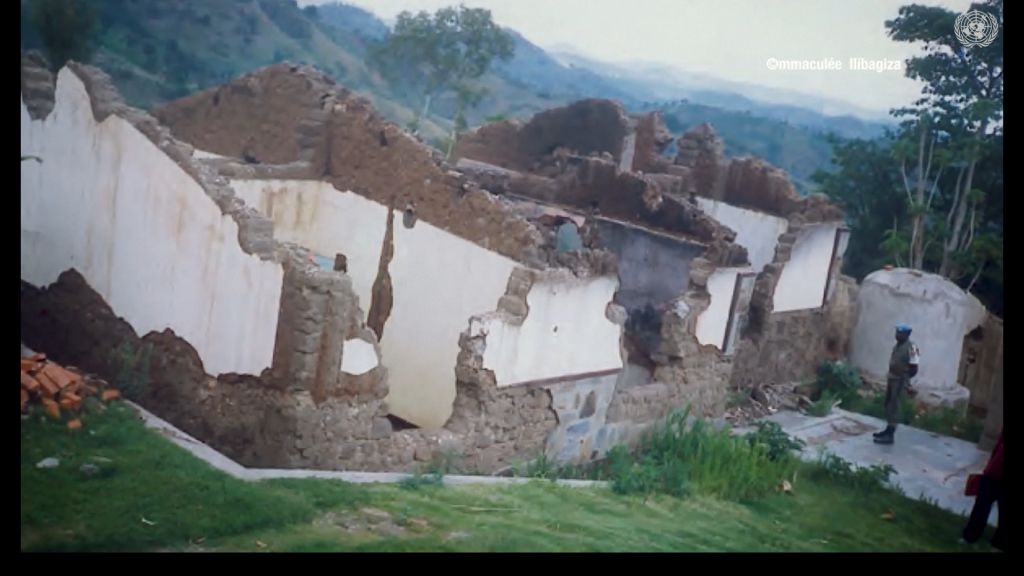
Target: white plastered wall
{"x": 714, "y": 321}
{"x": 566, "y": 334}
{"x": 143, "y": 233}
{"x": 759, "y": 234}
{"x": 802, "y": 283}
{"x": 756, "y": 231}
{"x": 438, "y": 280}
{"x": 318, "y": 216}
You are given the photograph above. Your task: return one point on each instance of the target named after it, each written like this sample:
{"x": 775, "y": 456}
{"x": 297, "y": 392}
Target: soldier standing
{"x": 903, "y": 365}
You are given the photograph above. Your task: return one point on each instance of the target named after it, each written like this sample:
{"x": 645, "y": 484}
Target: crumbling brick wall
{"x": 773, "y": 347}
{"x": 584, "y": 127}
{"x": 290, "y": 124}
{"x": 256, "y": 420}
{"x": 595, "y": 184}
{"x": 652, "y": 137}
{"x": 687, "y": 374}
{"x": 303, "y": 411}
{"x": 518, "y": 423}
{"x": 793, "y": 344}
{"x": 249, "y": 417}
{"x": 295, "y": 115}
{"x": 787, "y": 347}
{"x": 743, "y": 182}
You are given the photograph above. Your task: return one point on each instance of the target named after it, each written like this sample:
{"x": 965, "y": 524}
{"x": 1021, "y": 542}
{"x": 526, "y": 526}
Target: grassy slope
{"x": 150, "y": 494}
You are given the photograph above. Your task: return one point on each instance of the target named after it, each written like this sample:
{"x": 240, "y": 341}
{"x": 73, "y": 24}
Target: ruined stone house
{"x": 305, "y": 272}
{"x": 770, "y": 304}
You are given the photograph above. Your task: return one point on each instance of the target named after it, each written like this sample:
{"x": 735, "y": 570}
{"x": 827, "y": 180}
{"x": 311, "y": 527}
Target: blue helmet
{"x": 903, "y": 328}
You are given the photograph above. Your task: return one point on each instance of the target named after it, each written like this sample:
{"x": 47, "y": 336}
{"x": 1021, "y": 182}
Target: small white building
{"x": 939, "y": 312}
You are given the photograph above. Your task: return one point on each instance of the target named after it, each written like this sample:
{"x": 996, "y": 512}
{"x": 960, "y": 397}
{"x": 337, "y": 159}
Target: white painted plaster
{"x": 756, "y": 231}
{"x": 143, "y": 233}
{"x": 204, "y": 155}
{"x": 844, "y": 241}
{"x": 713, "y": 321}
{"x": 565, "y": 333}
{"x": 802, "y": 283}
{"x": 327, "y": 221}
{"x": 937, "y": 310}
{"x": 358, "y": 357}
{"x": 438, "y": 279}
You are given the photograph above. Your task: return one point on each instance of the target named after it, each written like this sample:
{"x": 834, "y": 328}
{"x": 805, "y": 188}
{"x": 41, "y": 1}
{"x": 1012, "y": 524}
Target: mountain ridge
{"x": 159, "y": 50}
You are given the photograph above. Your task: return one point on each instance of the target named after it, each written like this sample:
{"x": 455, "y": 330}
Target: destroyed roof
{"x": 550, "y": 140}
{"x": 296, "y": 122}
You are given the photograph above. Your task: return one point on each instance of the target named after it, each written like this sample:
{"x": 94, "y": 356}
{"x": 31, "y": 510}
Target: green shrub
{"x": 839, "y": 380}
{"x": 950, "y": 422}
{"x": 823, "y": 405}
{"x": 779, "y": 444}
{"x": 647, "y": 474}
{"x": 834, "y": 469}
{"x": 684, "y": 456}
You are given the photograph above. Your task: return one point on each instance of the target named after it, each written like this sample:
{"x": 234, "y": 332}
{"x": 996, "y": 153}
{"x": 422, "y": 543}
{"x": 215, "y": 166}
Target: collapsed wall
{"x": 218, "y": 255}
{"x": 319, "y": 399}
{"x": 426, "y": 246}
{"x": 300, "y": 120}
{"x": 774, "y": 255}
{"x": 801, "y": 309}
{"x": 586, "y": 127}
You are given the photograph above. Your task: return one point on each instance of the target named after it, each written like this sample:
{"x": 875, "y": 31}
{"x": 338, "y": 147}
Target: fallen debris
{"x": 48, "y": 463}
{"x": 58, "y": 389}
{"x": 765, "y": 400}
{"x": 786, "y": 487}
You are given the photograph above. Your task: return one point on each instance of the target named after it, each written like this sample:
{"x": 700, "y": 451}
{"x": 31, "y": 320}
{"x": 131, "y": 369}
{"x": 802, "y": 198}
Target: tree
{"x": 446, "y": 52}
{"x": 929, "y": 194}
{"x": 962, "y": 103}
{"x": 866, "y": 182}
{"x": 67, "y": 29}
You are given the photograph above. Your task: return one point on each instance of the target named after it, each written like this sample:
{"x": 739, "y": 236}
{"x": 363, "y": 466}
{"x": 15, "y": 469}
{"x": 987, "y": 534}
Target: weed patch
{"x": 684, "y": 456}
{"x": 832, "y": 468}
{"x": 779, "y": 444}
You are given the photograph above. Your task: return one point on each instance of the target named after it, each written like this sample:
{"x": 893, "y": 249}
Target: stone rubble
{"x": 765, "y": 400}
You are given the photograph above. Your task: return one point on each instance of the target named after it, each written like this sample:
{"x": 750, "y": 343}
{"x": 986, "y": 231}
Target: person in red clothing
{"x": 987, "y": 489}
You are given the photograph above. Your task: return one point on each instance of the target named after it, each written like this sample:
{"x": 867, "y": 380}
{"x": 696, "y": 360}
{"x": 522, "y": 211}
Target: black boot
{"x": 888, "y": 430}
{"x": 887, "y": 436}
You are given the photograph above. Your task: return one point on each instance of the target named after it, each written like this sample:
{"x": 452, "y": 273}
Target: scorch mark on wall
{"x": 382, "y": 299}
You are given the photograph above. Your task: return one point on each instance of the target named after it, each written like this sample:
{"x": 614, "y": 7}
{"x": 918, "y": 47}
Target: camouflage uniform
{"x": 904, "y": 354}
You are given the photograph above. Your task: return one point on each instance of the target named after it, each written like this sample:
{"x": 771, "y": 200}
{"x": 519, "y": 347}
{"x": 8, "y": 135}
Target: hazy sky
{"x": 730, "y": 39}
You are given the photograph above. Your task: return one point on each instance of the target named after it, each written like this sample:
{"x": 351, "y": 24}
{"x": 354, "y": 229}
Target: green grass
{"x": 150, "y": 494}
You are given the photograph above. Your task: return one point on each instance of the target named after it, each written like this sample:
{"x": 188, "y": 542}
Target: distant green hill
{"x": 160, "y": 50}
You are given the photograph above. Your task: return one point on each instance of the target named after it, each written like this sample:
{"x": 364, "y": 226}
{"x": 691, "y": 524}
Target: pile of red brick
{"x": 56, "y": 388}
